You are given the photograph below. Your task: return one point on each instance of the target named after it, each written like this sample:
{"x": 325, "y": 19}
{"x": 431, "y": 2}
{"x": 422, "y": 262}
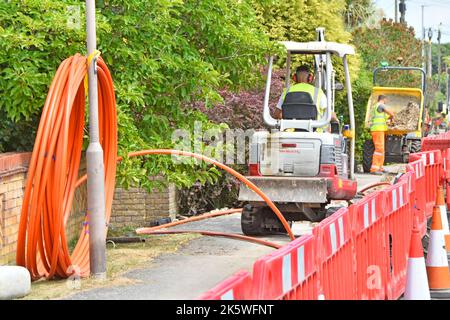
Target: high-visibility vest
{"x": 378, "y": 120}
{"x": 316, "y": 94}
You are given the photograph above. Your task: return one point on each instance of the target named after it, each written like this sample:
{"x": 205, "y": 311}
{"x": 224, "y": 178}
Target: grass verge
{"x": 122, "y": 258}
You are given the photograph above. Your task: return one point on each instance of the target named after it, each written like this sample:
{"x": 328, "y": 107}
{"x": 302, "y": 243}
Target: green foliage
{"x": 362, "y": 89}
{"x": 358, "y": 12}
{"x": 389, "y": 43}
{"x": 445, "y": 54}
{"x": 164, "y": 55}
{"x": 438, "y": 85}
{"x": 297, "y": 20}
{"x": 201, "y": 198}
{"x": 34, "y": 38}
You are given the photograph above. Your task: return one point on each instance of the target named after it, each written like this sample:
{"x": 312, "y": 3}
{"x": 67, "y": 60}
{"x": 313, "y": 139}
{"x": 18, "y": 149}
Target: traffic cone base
{"x": 416, "y": 274}
{"x": 437, "y": 263}
{"x": 417, "y": 283}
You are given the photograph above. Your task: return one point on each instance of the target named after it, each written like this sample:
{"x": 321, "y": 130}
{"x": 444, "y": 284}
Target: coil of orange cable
{"x": 53, "y": 172}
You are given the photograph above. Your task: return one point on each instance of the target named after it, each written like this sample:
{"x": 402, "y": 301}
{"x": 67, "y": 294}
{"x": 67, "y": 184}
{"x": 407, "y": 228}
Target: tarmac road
{"x": 197, "y": 266}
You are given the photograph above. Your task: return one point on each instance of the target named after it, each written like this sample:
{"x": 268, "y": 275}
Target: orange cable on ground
{"x": 53, "y": 173}
{"x": 191, "y": 219}
{"x": 374, "y": 185}
{"x": 219, "y": 234}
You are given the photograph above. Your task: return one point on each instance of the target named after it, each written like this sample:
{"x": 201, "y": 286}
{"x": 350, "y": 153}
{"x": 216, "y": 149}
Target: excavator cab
{"x": 303, "y": 163}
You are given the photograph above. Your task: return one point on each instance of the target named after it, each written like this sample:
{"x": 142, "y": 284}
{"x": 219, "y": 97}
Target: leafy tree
{"x": 387, "y": 44}
{"x": 164, "y": 55}
{"x": 297, "y": 20}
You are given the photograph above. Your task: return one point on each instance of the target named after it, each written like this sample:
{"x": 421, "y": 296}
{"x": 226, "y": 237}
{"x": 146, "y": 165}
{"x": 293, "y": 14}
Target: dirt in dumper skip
{"x": 407, "y": 119}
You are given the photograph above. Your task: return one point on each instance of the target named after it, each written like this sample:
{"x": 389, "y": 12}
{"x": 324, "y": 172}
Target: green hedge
{"x": 164, "y": 55}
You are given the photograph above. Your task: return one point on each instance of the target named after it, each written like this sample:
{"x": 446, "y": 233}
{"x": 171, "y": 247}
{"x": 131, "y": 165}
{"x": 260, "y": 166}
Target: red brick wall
{"x": 13, "y": 168}
{"x": 13, "y": 173}
{"x": 136, "y": 207}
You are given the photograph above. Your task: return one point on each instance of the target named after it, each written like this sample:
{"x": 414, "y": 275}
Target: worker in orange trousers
{"x": 378, "y": 128}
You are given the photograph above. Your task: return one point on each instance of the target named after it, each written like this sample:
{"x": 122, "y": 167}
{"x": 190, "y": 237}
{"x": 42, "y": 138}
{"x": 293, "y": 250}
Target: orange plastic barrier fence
{"x": 433, "y": 170}
{"x": 237, "y": 287}
{"x": 289, "y": 273}
{"x": 446, "y": 166}
{"x": 370, "y": 244}
{"x": 335, "y": 248}
{"x": 398, "y": 226}
{"x": 439, "y": 142}
{"x": 418, "y": 202}
{"x": 357, "y": 253}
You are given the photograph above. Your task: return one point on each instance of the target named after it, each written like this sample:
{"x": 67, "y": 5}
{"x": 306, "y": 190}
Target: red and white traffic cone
{"x": 437, "y": 263}
{"x": 416, "y": 274}
{"x": 444, "y": 218}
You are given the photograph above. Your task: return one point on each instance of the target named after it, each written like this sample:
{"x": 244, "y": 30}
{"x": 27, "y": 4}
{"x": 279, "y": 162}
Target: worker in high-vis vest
{"x": 303, "y": 79}
{"x": 378, "y": 127}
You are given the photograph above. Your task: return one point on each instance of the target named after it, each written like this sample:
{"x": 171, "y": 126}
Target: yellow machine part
{"x": 398, "y": 98}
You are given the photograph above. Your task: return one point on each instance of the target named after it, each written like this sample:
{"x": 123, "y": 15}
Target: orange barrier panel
{"x": 398, "y": 220}
{"x": 439, "y": 142}
{"x": 418, "y": 200}
{"x": 433, "y": 163}
{"x": 237, "y": 287}
{"x": 335, "y": 248}
{"x": 369, "y": 247}
{"x": 289, "y": 273}
{"x": 446, "y": 168}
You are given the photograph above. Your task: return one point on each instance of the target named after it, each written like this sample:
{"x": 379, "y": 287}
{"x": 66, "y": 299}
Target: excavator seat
{"x": 299, "y": 106}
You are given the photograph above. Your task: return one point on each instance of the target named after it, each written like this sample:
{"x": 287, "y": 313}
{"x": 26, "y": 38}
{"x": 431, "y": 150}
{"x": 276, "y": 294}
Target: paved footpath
{"x": 197, "y": 266}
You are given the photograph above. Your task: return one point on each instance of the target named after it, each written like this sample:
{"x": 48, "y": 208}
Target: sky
{"x": 436, "y": 11}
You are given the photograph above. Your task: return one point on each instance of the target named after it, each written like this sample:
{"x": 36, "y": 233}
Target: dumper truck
{"x": 404, "y": 135}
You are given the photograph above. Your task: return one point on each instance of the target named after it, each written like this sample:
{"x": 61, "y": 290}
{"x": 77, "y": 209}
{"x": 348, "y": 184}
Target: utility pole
{"x": 423, "y": 37}
{"x": 439, "y": 56}
{"x": 402, "y": 12}
{"x": 447, "y": 100}
{"x": 396, "y": 11}
{"x": 94, "y": 157}
{"x": 430, "y": 61}
{"x": 447, "y": 89}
